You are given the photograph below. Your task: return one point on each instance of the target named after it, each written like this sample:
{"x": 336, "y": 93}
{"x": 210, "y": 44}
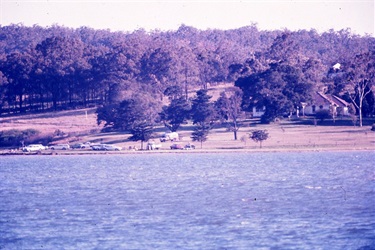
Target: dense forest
{"x": 60, "y": 68}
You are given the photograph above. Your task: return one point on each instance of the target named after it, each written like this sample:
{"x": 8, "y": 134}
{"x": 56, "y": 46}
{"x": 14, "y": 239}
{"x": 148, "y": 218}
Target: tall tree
{"x": 185, "y": 66}
{"x": 59, "y": 59}
{"x": 175, "y": 114}
{"x": 155, "y": 69}
{"x": 3, "y": 88}
{"x": 137, "y": 115}
{"x": 203, "y": 115}
{"x": 18, "y": 68}
{"x": 280, "y": 89}
{"x": 202, "y": 110}
{"x": 200, "y": 133}
{"x": 114, "y": 71}
{"x": 285, "y": 49}
{"x": 360, "y": 80}
{"x": 229, "y": 108}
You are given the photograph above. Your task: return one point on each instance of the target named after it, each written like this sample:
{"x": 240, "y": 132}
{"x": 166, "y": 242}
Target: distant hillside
{"x": 58, "y": 68}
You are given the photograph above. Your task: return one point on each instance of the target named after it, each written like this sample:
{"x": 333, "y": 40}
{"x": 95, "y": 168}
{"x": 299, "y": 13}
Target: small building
{"x": 258, "y": 111}
{"x": 320, "y": 101}
{"x": 332, "y": 103}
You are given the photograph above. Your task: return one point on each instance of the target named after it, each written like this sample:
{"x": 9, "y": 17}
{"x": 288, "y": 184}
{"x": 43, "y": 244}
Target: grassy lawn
{"x": 300, "y": 134}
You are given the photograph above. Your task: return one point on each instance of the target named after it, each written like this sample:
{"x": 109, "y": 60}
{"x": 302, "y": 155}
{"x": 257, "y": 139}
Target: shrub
{"x": 15, "y": 137}
{"x": 44, "y": 139}
{"x": 323, "y": 114}
{"x": 259, "y": 136}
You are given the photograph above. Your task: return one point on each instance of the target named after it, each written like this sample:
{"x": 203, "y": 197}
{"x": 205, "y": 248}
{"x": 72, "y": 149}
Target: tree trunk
{"x": 54, "y": 103}
{"x": 186, "y": 85}
{"x": 360, "y": 112}
{"x": 21, "y": 102}
{"x": 235, "y": 129}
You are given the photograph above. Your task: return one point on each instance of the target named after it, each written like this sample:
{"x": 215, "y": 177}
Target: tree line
{"x": 60, "y": 68}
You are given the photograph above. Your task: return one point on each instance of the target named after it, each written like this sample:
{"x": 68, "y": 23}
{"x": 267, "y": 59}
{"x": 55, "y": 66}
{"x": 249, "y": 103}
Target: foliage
{"x": 280, "y": 88}
{"x": 61, "y": 67}
{"x": 137, "y": 115}
{"x": 229, "y": 108}
{"x": 259, "y": 136}
{"x": 360, "y": 77}
{"x": 175, "y": 114}
{"x": 173, "y": 92}
{"x": 108, "y": 115}
{"x": 202, "y": 111}
{"x": 142, "y": 132}
{"x": 15, "y": 137}
{"x": 200, "y": 133}
{"x": 202, "y": 115}
{"x": 323, "y": 114}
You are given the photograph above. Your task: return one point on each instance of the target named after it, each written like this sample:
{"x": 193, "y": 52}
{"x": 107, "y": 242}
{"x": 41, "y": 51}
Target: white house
{"x": 329, "y": 102}
{"x": 258, "y": 112}
{"x": 321, "y": 101}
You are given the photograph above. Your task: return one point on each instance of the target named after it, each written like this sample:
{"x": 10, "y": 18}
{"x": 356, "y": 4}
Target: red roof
{"x": 321, "y": 99}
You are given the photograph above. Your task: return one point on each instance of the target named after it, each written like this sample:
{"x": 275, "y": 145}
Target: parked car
{"x": 76, "y": 146}
{"x": 96, "y": 146}
{"x": 34, "y": 147}
{"x": 153, "y": 146}
{"x": 173, "y": 136}
{"x": 108, "y": 147}
{"x": 177, "y": 146}
{"x": 60, "y": 147}
{"x": 189, "y": 146}
{"x": 80, "y": 145}
{"x": 105, "y": 147}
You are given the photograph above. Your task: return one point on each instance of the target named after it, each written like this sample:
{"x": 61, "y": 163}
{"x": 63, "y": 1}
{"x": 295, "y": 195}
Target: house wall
{"x": 340, "y": 111}
{"x": 309, "y": 110}
{"x": 343, "y": 111}
{"x": 258, "y": 112}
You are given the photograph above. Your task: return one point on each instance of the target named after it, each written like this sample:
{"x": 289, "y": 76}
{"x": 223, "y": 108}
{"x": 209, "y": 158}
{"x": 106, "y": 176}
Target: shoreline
{"x": 5, "y": 153}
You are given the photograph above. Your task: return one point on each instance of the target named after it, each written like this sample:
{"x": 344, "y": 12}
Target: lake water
{"x": 315, "y": 200}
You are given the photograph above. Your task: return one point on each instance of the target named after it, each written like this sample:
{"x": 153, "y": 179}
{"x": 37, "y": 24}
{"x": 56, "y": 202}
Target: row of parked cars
{"x": 104, "y": 147}
{"x": 179, "y": 146}
{"x": 40, "y": 147}
{"x": 155, "y": 146}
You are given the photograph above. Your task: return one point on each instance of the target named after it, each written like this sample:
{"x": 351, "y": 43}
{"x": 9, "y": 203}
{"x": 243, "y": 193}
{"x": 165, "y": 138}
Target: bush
{"x": 259, "y": 136}
{"x": 323, "y": 114}
{"x": 19, "y": 138}
{"x": 373, "y": 127}
{"x": 15, "y": 137}
{"x": 44, "y": 139}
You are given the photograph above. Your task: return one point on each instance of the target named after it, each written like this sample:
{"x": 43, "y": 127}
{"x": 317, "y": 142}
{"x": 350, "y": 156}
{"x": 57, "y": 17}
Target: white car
{"x": 153, "y": 146}
{"x": 96, "y": 146}
{"x": 33, "y": 148}
{"x": 110, "y": 147}
{"x": 60, "y": 147}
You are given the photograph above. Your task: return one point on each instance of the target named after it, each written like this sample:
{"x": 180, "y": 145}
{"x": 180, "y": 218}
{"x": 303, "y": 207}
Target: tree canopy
{"x": 63, "y": 68}
{"x": 280, "y": 88}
